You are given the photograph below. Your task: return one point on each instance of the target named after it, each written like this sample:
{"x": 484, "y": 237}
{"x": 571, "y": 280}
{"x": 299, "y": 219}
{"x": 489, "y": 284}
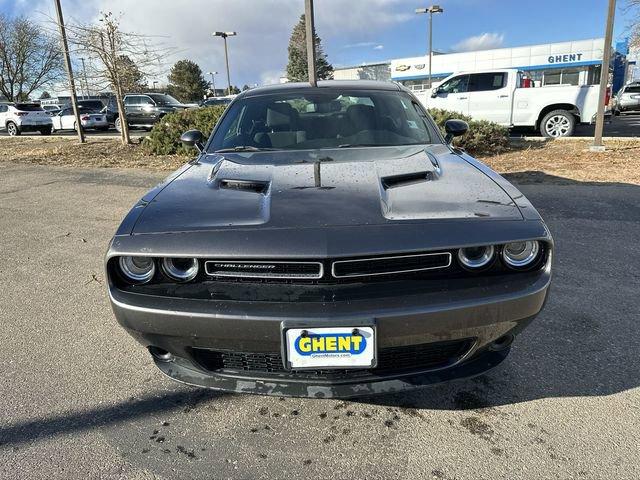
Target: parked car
{"x": 499, "y": 96}
{"x": 627, "y": 99}
{"x": 144, "y": 110}
{"x": 51, "y": 109}
{"x": 328, "y": 242}
{"x": 92, "y": 104}
{"x": 24, "y": 117}
{"x": 90, "y": 119}
{"x": 210, "y": 102}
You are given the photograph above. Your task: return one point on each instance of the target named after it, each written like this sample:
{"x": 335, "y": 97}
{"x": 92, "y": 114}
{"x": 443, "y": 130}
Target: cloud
{"x": 484, "y": 41}
{"x": 263, "y": 27}
{"x": 360, "y": 45}
{"x": 378, "y": 47}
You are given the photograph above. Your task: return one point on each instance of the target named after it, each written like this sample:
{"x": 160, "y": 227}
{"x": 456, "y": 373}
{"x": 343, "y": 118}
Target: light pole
{"x": 67, "y": 62}
{"x": 311, "y": 44}
{"x": 430, "y": 10}
{"x": 213, "y": 81}
{"x": 598, "y": 146}
{"x": 224, "y": 36}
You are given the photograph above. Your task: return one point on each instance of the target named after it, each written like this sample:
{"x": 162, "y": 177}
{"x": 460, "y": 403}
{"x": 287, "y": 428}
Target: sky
{"x": 352, "y": 31}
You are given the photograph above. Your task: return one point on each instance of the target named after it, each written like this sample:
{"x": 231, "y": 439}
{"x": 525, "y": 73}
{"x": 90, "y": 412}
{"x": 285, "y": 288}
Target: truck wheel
{"x": 46, "y": 131}
{"x": 558, "y": 123}
{"x": 12, "y": 129}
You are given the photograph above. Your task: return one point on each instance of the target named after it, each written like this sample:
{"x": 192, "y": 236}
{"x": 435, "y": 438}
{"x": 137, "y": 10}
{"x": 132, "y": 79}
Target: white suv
{"x": 24, "y": 117}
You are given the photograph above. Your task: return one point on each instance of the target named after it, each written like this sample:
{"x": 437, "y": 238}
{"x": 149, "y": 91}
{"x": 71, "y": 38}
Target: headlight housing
{"x": 519, "y": 255}
{"x": 137, "y": 269}
{"x": 181, "y": 269}
{"x": 476, "y": 258}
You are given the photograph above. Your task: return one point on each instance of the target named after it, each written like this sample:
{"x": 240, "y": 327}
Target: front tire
{"x": 46, "y": 131}
{"x": 118, "y": 125}
{"x": 12, "y": 129}
{"x": 558, "y": 123}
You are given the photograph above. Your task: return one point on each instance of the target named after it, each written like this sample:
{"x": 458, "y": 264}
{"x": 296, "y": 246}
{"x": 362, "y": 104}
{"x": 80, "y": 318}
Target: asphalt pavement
{"x": 80, "y": 399}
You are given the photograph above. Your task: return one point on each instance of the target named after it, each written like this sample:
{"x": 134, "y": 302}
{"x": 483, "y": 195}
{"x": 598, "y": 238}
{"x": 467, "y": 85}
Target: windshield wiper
{"x": 243, "y": 148}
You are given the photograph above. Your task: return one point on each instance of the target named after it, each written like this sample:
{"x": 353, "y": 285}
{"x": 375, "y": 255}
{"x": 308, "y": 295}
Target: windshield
{"x": 162, "y": 99}
{"x": 313, "y": 119}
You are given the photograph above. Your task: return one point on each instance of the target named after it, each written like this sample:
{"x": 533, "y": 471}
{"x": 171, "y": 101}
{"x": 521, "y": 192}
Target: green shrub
{"x": 483, "y": 138}
{"x": 164, "y": 138}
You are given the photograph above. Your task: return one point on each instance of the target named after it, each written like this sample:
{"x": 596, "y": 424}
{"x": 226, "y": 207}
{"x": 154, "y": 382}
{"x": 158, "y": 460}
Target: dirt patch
{"x": 97, "y": 152}
{"x": 555, "y": 162}
{"x": 569, "y": 161}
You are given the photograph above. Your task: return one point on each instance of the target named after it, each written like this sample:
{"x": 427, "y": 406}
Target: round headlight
{"x": 476, "y": 257}
{"x": 520, "y": 254}
{"x": 137, "y": 269}
{"x": 180, "y": 269}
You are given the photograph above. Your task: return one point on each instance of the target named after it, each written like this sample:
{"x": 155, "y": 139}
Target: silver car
{"x": 628, "y": 99}
{"x": 89, "y": 118}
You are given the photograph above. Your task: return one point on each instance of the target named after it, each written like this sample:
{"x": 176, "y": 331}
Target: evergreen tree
{"x": 186, "y": 81}
{"x": 297, "y": 68}
{"x": 131, "y": 78}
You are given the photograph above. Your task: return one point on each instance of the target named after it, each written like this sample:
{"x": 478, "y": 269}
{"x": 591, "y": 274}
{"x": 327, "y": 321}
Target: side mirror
{"x": 455, "y": 128}
{"x": 193, "y": 138}
{"x": 434, "y": 92}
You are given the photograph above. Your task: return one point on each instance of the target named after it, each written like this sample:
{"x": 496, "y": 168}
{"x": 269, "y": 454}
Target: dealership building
{"x": 565, "y": 63}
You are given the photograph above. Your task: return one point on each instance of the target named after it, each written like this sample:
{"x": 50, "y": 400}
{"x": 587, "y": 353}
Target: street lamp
{"x": 430, "y": 10}
{"x": 213, "y": 81}
{"x": 224, "y": 36}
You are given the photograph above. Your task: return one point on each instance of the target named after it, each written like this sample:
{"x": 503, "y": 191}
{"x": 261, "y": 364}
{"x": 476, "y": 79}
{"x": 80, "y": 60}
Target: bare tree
{"x": 29, "y": 58}
{"x": 108, "y": 45}
{"x": 634, "y": 40}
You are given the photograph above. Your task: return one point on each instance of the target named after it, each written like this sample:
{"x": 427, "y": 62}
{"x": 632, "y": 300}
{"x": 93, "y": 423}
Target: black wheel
{"x": 118, "y": 125}
{"x": 12, "y": 129}
{"x": 46, "y": 131}
{"x": 558, "y": 123}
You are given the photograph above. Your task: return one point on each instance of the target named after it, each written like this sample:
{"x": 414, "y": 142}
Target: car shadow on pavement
{"x": 79, "y": 421}
{"x": 585, "y": 341}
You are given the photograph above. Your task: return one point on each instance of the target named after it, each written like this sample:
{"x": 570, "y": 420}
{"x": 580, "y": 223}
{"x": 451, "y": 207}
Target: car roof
{"x": 324, "y": 84}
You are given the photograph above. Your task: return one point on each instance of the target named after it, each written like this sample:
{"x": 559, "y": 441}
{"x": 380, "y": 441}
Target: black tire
{"x": 13, "y": 130}
{"x": 46, "y": 131}
{"x": 558, "y": 123}
{"x": 118, "y": 125}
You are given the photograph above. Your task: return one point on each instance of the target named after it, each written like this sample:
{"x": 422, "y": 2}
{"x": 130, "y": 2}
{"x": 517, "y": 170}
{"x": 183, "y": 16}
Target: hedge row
{"x": 164, "y": 138}
{"x": 483, "y": 138}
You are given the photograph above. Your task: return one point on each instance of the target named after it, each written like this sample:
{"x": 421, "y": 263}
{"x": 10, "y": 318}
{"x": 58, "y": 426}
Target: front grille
{"x": 427, "y": 356}
{"x": 390, "y": 265}
{"x": 266, "y": 270}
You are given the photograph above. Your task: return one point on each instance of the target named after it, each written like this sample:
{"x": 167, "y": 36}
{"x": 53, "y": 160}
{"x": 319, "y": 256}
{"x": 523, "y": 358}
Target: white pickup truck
{"x": 501, "y": 96}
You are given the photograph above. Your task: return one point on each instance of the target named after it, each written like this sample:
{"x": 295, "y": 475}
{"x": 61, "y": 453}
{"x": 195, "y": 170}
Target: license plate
{"x": 330, "y": 347}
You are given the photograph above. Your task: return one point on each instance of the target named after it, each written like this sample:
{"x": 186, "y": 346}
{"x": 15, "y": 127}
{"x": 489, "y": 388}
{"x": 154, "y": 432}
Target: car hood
{"x": 320, "y": 188}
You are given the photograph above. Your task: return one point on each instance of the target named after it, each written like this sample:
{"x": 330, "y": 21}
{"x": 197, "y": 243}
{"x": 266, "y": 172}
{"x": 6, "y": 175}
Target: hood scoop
{"x": 405, "y": 179}
{"x": 253, "y": 186}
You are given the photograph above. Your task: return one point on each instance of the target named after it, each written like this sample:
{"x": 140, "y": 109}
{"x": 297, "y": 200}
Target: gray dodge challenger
{"x": 327, "y": 242}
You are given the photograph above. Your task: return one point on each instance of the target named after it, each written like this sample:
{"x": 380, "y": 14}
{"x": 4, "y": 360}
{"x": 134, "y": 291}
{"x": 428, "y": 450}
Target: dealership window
{"x": 567, "y": 76}
{"x": 593, "y": 77}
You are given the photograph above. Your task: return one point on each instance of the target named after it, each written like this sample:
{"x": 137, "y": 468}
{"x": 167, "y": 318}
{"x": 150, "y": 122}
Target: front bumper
{"x": 485, "y": 311}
